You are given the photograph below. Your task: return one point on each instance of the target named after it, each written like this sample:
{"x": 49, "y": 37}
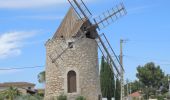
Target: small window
{"x": 84, "y": 28}
{"x": 70, "y": 44}
{"x": 62, "y": 36}
{"x": 88, "y": 34}
{"x": 29, "y": 88}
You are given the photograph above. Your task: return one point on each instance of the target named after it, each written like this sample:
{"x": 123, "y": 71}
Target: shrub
{"x": 29, "y": 97}
{"x": 160, "y": 98}
{"x": 62, "y": 97}
{"x": 2, "y": 96}
{"x": 168, "y": 97}
{"x": 80, "y": 98}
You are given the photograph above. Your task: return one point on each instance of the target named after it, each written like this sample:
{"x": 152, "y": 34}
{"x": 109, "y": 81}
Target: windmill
{"x": 84, "y": 14}
{"x": 86, "y": 33}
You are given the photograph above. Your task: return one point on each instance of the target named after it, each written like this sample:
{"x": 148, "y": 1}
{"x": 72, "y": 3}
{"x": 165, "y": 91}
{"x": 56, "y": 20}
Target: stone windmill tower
{"x": 72, "y": 55}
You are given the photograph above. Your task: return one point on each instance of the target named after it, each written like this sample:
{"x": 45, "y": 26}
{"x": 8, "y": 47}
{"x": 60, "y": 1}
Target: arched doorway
{"x": 71, "y": 82}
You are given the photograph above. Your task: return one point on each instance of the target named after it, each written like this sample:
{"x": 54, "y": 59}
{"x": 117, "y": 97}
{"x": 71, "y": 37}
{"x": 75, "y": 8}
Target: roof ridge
{"x": 69, "y": 26}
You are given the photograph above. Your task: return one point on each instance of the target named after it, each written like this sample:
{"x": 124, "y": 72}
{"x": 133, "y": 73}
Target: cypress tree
{"x": 118, "y": 90}
{"x": 107, "y": 81}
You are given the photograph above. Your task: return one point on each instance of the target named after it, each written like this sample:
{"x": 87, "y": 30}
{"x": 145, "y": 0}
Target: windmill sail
{"x": 72, "y": 27}
{"x": 81, "y": 9}
{"x": 109, "y": 54}
{"x": 110, "y": 16}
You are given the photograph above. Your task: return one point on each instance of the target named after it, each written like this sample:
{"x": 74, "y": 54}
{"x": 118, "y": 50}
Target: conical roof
{"x": 70, "y": 25}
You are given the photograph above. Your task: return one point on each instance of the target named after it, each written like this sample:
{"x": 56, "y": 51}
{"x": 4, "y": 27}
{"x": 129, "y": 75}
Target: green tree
{"x": 151, "y": 76}
{"x": 107, "y": 80}
{"x": 11, "y": 93}
{"x": 165, "y": 85}
{"x": 41, "y": 77}
{"x": 118, "y": 90}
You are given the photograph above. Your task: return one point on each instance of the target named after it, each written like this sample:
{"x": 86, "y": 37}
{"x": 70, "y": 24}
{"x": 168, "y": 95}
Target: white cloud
{"x": 41, "y": 17}
{"x": 140, "y": 8}
{"x": 28, "y": 3}
{"x": 11, "y": 43}
{"x": 7, "y": 72}
{"x": 31, "y": 3}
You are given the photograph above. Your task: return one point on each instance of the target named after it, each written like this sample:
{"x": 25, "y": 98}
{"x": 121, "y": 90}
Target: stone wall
{"x": 82, "y": 58}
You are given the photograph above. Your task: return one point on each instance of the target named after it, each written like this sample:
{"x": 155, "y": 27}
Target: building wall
{"x": 83, "y": 59}
{"x": 22, "y": 89}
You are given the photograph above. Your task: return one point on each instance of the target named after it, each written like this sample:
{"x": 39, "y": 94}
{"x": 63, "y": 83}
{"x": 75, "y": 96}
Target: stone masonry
{"x": 82, "y": 58}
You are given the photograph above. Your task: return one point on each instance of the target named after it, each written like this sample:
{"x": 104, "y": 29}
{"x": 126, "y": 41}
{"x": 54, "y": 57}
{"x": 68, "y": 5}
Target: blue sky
{"x": 25, "y": 26}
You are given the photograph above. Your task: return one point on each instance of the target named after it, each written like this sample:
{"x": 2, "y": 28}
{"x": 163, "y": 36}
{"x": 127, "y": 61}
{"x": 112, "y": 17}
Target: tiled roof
{"x": 135, "y": 94}
{"x": 16, "y": 84}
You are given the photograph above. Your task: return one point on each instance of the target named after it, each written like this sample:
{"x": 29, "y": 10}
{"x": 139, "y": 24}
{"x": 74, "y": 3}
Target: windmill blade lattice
{"x": 109, "y": 54}
{"x": 58, "y": 55}
{"x": 81, "y": 9}
{"x": 83, "y": 12}
{"x": 110, "y": 16}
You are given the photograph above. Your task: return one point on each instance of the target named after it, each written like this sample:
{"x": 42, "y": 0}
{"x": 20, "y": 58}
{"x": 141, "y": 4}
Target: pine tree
{"x": 107, "y": 80}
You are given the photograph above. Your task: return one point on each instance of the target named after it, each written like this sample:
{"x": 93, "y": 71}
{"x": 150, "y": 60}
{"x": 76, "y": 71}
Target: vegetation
{"x": 14, "y": 94}
{"x": 2, "y": 97}
{"x": 133, "y": 86}
{"x": 107, "y": 80}
{"x": 62, "y": 97}
{"x": 152, "y": 77}
{"x": 80, "y": 98}
{"x": 10, "y": 94}
{"x": 29, "y": 97}
{"x": 41, "y": 77}
{"x": 153, "y": 83}
{"x": 118, "y": 90}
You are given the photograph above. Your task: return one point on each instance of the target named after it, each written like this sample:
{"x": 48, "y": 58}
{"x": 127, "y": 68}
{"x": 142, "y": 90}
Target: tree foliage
{"x": 133, "y": 87}
{"x": 11, "y": 93}
{"x": 41, "y": 77}
{"x": 2, "y": 97}
{"x": 151, "y": 76}
{"x": 118, "y": 90}
{"x": 107, "y": 81}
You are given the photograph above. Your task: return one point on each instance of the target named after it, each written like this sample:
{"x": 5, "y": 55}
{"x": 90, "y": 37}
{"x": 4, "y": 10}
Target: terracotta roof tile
{"x": 135, "y": 94}
{"x": 16, "y": 84}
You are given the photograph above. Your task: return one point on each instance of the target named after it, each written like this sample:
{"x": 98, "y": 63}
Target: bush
{"x": 2, "y": 96}
{"x": 80, "y": 98}
{"x": 160, "y": 97}
{"x": 168, "y": 97}
{"x": 29, "y": 97}
{"x": 62, "y": 97}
